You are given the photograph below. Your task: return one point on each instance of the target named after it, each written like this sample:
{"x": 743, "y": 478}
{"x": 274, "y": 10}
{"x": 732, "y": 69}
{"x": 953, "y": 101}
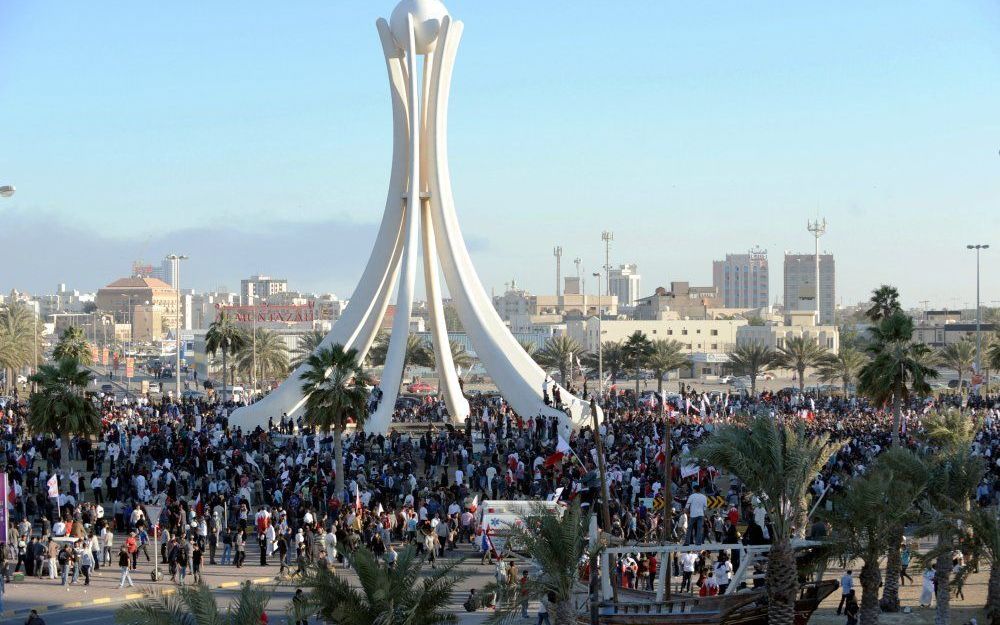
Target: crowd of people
{"x": 180, "y": 481}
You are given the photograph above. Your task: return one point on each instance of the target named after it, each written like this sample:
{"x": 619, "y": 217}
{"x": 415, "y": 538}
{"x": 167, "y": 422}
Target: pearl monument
{"x": 420, "y": 43}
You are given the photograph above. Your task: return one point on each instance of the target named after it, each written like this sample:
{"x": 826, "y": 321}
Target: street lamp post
{"x": 176, "y": 260}
{"x": 979, "y": 335}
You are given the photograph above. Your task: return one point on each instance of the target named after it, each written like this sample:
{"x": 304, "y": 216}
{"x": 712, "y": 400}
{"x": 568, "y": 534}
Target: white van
{"x": 498, "y": 516}
{"x": 235, "y": 395}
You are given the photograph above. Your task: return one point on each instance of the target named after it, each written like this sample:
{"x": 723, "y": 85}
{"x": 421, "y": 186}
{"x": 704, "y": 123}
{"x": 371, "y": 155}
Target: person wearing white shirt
{"x": 696, "y": 505}
{"x": 723, "y": 573}
{"x": 688, "y": 561}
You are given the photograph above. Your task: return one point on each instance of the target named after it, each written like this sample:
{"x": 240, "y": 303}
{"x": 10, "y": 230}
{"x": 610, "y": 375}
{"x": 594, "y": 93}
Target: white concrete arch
{"x": 420, "y": 211}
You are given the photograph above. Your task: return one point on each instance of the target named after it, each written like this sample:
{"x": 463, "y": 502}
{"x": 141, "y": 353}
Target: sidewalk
{"x": 46, "y": 595}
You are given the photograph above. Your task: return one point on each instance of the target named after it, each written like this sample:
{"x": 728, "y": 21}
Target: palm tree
{"x": 612, "y": 359}
{"x": 751, "y": 359}
{"x": 983, "y": 543}
{"x": 73, "y": 345}
{"x": 403, "y": 595}
{"x": 225, "y": 336}
{"x": 560, "y": 352}
{"x": 884, "y": 303}
{"x": 195, "y": 605}
{"x": 20, "y": 333}
{"x": 459, "y": 357}
{"x": 557, "y": 545}
{"x": 910, "y": 470}
{"x": 898, "y": 366}
{"x": 958, "y": 357}
{"x": 863, "y": 519}
{"x": 667, "y": 356}
{"x": 60, "y": 407}
{"x": 991, "y": 354}
{"x": 953, "y": 477}
{"x": 637, "y": 349}
{"x": 777, "y": 462}
{"x": 335, "y": 387}
{"x": 529, "y": 347}
{"x": 268, "y": 352}
{"x": 307, "y": 344}
{"x": 843, "y": 367}
{"x": 799, "y": 353}
{"x": 415, "y": 352}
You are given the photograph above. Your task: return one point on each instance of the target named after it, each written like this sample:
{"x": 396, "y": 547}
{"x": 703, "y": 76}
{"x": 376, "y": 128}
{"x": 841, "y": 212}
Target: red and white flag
{"x": 475, "y": 504}
{"x": 53, "y": 485}
{"x": 562, "y": 448}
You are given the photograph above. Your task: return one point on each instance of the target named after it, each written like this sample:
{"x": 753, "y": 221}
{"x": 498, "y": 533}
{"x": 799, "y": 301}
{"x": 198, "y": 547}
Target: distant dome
{"x": 427, "y": 18}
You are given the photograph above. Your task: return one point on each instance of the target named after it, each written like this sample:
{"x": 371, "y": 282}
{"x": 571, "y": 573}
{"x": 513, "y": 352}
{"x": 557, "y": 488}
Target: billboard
{"x": 281, "y": 316}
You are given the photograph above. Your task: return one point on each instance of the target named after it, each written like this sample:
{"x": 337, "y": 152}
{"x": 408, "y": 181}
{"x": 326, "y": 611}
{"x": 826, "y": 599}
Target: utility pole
{"x": 818, "y": 229}
{"x": 557, "y": 252}
{"x": 607, "y": 236}
{"x": 600, "y": 343}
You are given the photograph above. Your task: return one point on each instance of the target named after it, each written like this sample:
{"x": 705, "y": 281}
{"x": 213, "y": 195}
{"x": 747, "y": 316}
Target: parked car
{"x": 404, "y": 402}
{"x": 420, "y": 387}
{"x": 107, "y": 389}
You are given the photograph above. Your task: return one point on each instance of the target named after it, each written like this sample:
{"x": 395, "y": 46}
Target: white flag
{"x": 688, "y": 470}
{"x": 53, "y": 485}
{"x": 562, "y": 446}
{"x": 379, "y": 511}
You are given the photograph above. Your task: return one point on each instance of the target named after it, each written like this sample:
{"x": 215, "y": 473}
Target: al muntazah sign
{"x": 265, "y": 314}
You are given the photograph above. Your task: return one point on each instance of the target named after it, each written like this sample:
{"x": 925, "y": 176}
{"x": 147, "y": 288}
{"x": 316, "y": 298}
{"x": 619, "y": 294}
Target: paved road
{"x": 22, "y": 597}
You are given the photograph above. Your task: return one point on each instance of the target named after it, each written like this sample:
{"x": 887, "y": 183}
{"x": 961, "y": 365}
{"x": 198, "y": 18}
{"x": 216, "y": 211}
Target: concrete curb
{"x": 42, "y": 609}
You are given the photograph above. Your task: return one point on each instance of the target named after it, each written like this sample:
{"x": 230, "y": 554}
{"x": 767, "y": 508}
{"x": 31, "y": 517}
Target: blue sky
{"x": 256, "y": 136}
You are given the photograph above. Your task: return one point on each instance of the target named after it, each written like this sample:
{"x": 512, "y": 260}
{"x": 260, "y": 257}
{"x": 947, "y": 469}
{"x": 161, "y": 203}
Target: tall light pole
{"x": 607, "y": 236}
{"x": 600, "y": 343}
{"x": 818, "y": 229}
{"x": 176, "y": 260}
{"x": 979, "y": 335}
{"x": 557, "y": 252}
{"x": 131, "y": 337}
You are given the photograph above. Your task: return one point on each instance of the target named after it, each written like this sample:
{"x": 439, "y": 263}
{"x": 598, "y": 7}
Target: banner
{"x": 95, "y": 354}
{"x": 278, "y": 316}
{"x": 4, "y": 496}
{"x": 105, "y": 356}
{"x": 130, "y": 367}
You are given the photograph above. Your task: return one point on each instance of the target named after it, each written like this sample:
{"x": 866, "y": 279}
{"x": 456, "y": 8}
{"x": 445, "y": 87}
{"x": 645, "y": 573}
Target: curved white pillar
{"x": 420, "y": 209}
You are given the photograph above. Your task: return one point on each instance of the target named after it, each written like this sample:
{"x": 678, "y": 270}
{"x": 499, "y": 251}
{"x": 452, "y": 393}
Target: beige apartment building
{"x": 797, "y": 324}
{"x": 123, "y": 296}
{"x": 696, "y": 335}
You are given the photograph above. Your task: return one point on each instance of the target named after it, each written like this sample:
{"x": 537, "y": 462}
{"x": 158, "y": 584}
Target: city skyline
{"x": 213, "y": 145}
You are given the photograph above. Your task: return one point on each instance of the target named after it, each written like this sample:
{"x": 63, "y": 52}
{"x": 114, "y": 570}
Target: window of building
{"x": 829, "y": 343}
{"x": 779, "y": 343}
{"x": 715, "y": 346}
{"x": 698, "y": 331}
{"x": 670, "y": 332}
{"x": 715, "y": 333}
{"x": 684, "y": 332}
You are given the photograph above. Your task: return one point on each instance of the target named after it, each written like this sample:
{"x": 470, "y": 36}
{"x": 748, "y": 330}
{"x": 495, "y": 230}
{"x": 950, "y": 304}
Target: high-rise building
{"x": 259, "y": 287}
{"x": 624, "y": 282}
{"x": 800, "y": 284}
{"x": 742, "y": 279}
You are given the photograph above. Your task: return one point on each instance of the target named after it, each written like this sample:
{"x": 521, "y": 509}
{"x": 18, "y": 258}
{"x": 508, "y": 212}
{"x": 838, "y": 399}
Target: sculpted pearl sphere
{"x": 427, "y": 16}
